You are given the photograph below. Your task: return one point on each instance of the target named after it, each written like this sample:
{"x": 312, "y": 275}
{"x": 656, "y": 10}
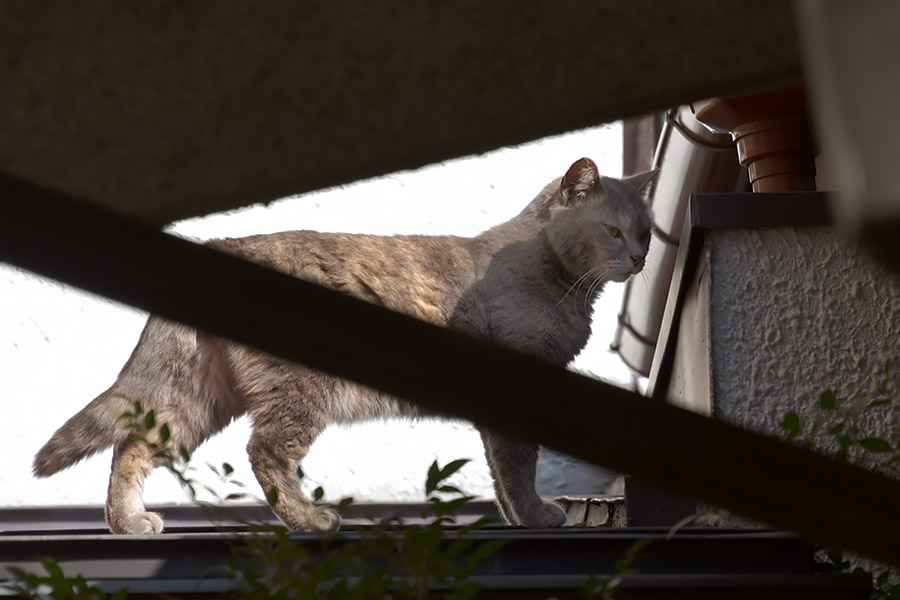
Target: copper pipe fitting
{"x": 772, "y": 134}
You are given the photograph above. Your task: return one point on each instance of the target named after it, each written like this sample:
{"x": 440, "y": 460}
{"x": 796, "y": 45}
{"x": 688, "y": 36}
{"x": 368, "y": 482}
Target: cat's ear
{"x": 642, "y": 183}
{"x": 580, "y": 177}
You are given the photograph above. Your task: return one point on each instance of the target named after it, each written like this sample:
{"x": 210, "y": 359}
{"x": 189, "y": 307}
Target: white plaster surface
{"x": 794, "y": 312}
{"x": 60, "y": 347}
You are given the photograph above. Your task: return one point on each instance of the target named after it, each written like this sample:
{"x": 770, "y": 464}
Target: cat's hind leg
{"x": 513, "y": 466}
{"x": 133, "y": 461}
{"x": 138, "y": 455}
{"x": 280, "y": 440}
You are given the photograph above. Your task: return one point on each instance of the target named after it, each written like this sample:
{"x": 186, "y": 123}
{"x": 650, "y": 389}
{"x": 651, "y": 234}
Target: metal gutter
{"x": 690, "y": 159}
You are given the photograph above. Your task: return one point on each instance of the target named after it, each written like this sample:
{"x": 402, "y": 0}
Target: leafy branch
{"x": 386, "y": 560}
{"x": 55, "y": 585}
{"x": 607, "y": 587}
{"x": 839, "y": 429}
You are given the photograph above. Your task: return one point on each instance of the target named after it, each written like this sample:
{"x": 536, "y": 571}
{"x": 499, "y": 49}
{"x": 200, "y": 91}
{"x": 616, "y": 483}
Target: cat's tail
{"x": 95, "y": 428}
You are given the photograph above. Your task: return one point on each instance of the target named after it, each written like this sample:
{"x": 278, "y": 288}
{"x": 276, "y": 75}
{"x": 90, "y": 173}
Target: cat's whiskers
{"x": 645, "y": 272}
{"x": 575, "y": 287}
{"x": 646, "y": 277}
{"x": 588, "y": 295}
{"x": 592, "y": 288}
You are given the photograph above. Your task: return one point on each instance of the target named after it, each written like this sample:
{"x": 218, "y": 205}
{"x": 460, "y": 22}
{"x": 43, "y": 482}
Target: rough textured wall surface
{"x": 794, "y": 312}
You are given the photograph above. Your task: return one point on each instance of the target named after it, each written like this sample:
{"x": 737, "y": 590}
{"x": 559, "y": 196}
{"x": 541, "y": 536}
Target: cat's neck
{"x": 523, "y": 243}
{"x": 525, "y": 226}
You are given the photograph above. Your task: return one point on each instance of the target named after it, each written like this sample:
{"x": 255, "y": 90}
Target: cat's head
{"x": 599, "y": 225}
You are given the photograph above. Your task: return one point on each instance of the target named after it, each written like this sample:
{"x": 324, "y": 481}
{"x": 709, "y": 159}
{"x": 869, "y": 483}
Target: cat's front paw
{"x": 137, "y": 524}
{"x": 544, "y": 515}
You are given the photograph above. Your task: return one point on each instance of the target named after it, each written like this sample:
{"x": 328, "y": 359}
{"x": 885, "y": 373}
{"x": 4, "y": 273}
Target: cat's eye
{"x": 614, "y": 231}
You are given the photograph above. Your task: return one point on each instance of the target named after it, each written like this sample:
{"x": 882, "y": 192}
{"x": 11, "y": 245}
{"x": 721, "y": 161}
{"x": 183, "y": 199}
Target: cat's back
{"x": 423, "y": 276}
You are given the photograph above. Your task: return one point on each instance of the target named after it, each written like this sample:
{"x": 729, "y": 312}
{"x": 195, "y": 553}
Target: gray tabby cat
{"x": 527, "y": 283}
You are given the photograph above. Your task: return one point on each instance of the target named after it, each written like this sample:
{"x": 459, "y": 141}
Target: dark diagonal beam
{"x": 447, "y": 371}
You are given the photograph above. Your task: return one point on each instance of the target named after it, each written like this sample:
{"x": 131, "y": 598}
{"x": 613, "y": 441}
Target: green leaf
{"x": 827, "y": 400}
{"x": 318, "y": 493}
{"x": 433, "y": 478}
{"x": 150, "y": 419}
{"x": 164, "y": 433}
{"x": 272, "y": 496}
{"x": 837, "y": 429}
{"x": 469, "y": 590}
{"x": 486, "y": 550}
{"x": 453, "y": 466}
{"x": 844, "y": 441}
{"x": 120, "y": 595}
{"x": 481, "y": 523}
{"x": 18, "y": 573}
{"x": 450, "y": 507}
{"x": 53, "y": 569}
{"x": 874, "y": 444}
{"x": 227, "y": 469}
{"x": 791, "y": 424}
{"x": 458, "y": 546}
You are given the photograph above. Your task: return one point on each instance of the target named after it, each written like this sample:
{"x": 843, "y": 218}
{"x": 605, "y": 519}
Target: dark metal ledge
{"x": 190, "y": 518}
{"x": 696, "y": 563}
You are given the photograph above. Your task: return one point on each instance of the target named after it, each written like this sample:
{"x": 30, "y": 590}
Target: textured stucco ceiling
{"x": 169, "y": 109}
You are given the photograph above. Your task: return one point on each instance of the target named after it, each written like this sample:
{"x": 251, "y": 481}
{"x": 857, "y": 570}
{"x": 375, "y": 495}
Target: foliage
{"x": 157, "y": 437}
{"x": 56, "y": 585}
{"x": 838, "y": 430}
{"x": 606, "y": 588}
{"x": 385, "y": 560}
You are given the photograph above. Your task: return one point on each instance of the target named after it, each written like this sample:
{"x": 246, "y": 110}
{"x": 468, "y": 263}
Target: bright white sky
{"x": 61, "y": 347}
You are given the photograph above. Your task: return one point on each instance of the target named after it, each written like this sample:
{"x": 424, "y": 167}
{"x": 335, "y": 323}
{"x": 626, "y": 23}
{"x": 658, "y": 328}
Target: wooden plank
{"x": 445, "y": 370}
{"x": 164, "y": 111}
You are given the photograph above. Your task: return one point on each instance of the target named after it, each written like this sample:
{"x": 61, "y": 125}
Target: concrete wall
{"x": 793, "y": 312}
{"x": 774, "y": 317}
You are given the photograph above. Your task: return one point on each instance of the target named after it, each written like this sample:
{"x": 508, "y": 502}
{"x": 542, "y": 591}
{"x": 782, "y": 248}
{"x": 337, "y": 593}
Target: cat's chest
{"x": 566, "y": 334}
{"x": 529, "y": 321}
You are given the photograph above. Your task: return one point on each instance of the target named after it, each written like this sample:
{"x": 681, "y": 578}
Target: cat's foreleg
{"x": 502, "y": 503}
{"x": 514, "y": 466}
